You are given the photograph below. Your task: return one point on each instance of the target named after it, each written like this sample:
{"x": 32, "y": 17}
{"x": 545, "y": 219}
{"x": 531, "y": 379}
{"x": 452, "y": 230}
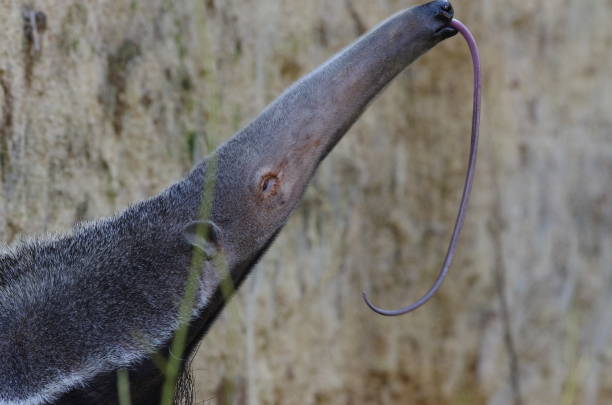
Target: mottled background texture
{"x": 123, "y": 96}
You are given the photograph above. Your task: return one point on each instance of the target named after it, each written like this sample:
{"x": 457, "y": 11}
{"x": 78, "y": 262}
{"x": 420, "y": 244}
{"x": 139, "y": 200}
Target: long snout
{"x": 272, "y": 160}
{"x": 350, "y": 81}
{"x": 322, "y": 106}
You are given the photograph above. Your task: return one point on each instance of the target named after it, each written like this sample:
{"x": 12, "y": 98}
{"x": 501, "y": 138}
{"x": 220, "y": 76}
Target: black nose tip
{"x": 446, "y": 12}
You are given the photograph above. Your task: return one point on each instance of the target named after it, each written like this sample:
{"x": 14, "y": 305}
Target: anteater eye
{"x": 269, "y": 185}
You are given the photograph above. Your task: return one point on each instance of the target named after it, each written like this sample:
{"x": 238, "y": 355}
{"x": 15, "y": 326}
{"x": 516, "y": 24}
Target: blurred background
{"x": 113, "y": 100}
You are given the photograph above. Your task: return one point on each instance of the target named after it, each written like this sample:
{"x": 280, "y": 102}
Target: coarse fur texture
{"x": 75, "y": 308}
{"x": 97, "y": 299}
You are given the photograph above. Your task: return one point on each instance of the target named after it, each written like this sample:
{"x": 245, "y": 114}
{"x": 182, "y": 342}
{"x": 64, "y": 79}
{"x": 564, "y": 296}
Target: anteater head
{"x": 262, "y": 172}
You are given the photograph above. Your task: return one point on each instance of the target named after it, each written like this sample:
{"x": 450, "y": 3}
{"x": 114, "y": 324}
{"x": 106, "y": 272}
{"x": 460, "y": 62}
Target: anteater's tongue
{"x": 450, "y": 253}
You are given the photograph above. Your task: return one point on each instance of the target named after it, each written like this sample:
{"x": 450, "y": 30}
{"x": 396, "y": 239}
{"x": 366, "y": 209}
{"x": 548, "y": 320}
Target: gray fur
{"x": 77, "y": 305}
{"x": 106, "y": 296}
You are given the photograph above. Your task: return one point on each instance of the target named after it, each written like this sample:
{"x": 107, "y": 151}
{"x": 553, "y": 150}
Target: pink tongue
{"x": 467, "y": 188}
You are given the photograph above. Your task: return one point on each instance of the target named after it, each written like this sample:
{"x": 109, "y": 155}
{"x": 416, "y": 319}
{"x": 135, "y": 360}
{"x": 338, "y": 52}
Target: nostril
{"x": 444, "y": 11}
{"x": 445, "y": 16}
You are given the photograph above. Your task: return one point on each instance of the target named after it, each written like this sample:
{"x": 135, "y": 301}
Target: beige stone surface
{"x": 123, "y": 96}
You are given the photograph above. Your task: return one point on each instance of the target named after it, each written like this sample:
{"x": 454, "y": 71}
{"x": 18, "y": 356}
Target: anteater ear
{"x": 204, "y": 235}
